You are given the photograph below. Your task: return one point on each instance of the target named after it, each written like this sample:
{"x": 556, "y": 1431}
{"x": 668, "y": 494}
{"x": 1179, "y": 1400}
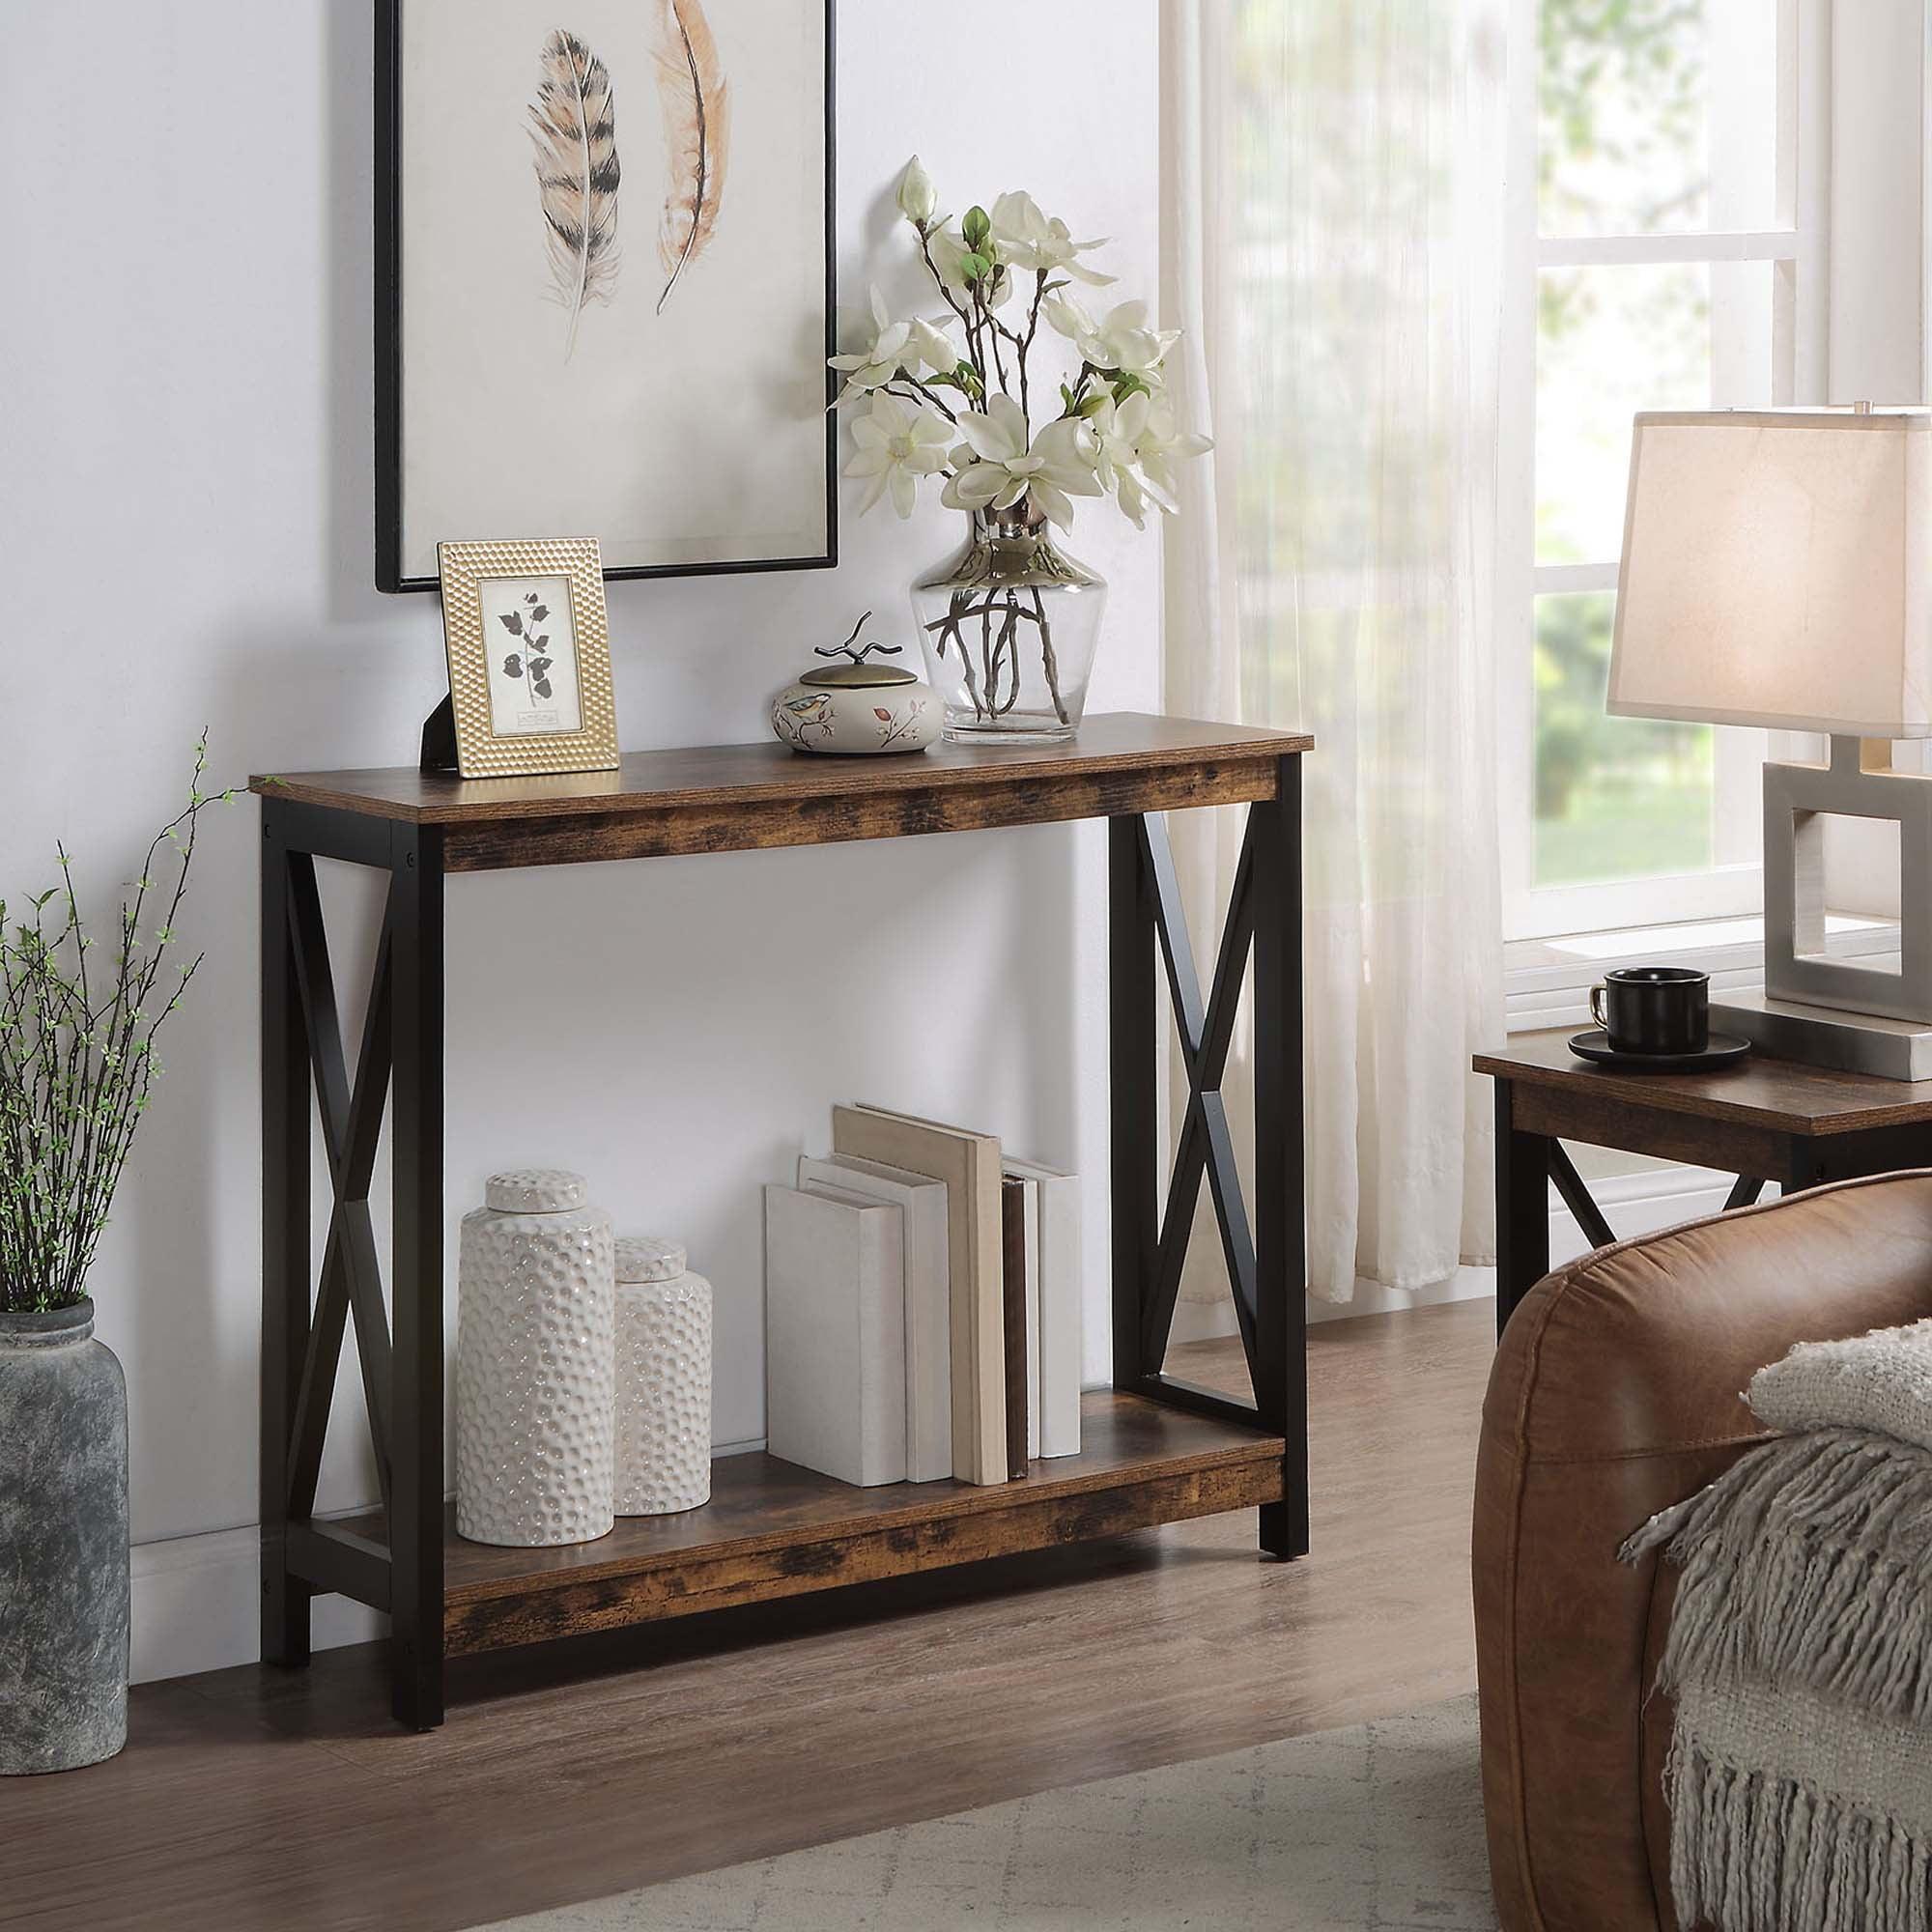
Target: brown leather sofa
{"x": 1615, "y": 1391}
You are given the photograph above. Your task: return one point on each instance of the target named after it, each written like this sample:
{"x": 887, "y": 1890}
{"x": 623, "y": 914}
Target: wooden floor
{"x": 257, "y": 1798}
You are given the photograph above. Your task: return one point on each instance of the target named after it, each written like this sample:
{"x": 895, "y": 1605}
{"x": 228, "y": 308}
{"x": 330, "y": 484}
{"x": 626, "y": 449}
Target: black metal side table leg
{"x": 1522, "y": 1207}
{"x": 285, "y": 1244}
{"x": 416, "y": 1514}
{"x": 1281, "y": 1245}
{"x": 1133, "y": 1097}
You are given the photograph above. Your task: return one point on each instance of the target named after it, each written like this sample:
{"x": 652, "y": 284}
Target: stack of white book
{"x": 922, "y": 1306}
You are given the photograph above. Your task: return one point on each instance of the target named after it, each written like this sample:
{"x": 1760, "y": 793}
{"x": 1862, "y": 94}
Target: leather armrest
{"x": 1616, "y": 1391}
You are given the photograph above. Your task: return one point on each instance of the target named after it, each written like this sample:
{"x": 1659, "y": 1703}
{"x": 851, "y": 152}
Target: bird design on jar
{"x": 797, "y": 717}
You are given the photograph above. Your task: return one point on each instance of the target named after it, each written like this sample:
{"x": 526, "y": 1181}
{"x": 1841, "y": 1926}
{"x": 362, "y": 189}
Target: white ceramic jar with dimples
{"x": 535, "y": 1364}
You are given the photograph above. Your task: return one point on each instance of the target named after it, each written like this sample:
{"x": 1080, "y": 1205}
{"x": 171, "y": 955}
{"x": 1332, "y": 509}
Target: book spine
{"x": 882, "y": 1347}
{"x": 1014, "y": 1288}
{"x": 1034, "y": 1287}
{"x": 930, "y": 1391}
{"x": 1062, "y": 1350}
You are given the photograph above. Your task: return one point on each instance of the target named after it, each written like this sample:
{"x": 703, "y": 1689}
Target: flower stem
{"x": 1049, "y": 661}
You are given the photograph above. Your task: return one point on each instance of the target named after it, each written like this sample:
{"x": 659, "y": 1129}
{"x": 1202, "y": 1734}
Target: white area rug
{"x": 1378, "y": 1828}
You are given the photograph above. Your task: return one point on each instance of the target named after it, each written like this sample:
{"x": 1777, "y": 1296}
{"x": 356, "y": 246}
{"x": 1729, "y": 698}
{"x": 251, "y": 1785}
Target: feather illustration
{"x": 697, "y": 129}
{"x": 574, "y": 130}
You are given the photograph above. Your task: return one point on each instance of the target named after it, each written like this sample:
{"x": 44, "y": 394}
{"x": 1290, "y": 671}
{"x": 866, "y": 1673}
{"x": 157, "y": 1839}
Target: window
{"x": 1664, "y": 252}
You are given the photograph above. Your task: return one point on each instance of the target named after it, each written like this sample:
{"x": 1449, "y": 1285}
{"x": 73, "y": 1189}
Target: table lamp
{"x": 1777, "y": 572}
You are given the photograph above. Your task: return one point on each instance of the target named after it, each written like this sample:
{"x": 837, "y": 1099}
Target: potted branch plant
{"x": 77, "y": 1066}
{"x": 1010, "y": 625}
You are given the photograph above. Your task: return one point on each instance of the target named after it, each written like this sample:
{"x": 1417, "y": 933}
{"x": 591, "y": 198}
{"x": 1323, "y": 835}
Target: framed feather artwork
{"x": 604, "y": 281}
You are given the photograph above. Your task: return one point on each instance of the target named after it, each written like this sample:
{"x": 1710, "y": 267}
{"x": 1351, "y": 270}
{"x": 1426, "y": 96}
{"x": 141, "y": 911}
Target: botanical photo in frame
{"x": 604, "y": 281}
{"x": 529, "y": 642}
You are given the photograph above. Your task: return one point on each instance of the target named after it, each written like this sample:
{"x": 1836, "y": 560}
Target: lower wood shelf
{"x": 773, "y": 1529}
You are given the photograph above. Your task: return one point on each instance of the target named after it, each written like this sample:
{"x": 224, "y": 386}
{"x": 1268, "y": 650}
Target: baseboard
{"x": 1642, "y": 1202}
{"x": 197, "y": 1606}
{"x": 1203, "y": 1321}
{"x": 1371, "y": 1297}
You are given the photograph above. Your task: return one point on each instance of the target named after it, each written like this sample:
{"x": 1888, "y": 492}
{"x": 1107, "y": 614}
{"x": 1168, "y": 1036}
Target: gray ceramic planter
{"x": 62, "y": 1544}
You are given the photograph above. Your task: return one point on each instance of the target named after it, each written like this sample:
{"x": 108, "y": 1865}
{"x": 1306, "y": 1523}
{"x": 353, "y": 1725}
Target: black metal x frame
{"x": 1266, "y": 1259}
{"x": 399, "y": 1063}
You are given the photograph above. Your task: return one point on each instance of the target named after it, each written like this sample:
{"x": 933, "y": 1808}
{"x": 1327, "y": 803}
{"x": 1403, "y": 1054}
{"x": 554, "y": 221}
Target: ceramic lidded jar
{"x": 857, "y": 706}
{"x": 663, "y": 1379}
{"x": 534, "y": 1364}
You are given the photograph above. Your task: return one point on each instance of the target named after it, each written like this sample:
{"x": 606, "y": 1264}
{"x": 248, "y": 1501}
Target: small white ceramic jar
{"x": 856, "y": 707}
{"x": 535, "y": 1382}
{"x": 663, "y": 1379}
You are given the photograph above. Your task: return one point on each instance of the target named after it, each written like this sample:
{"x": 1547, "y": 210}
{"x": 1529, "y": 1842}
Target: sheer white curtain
{"x": 1332, "y": 242}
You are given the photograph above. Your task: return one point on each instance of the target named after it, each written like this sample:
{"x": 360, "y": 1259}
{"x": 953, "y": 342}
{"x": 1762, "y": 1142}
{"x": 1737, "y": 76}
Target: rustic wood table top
{"x": 1755, "y": 1092}
{"x": 770, "y": 773}
{"x": 728, "y": 798}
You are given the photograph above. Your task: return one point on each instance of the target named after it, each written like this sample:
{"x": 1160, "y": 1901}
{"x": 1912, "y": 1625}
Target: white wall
{"x": 185, "y": 522}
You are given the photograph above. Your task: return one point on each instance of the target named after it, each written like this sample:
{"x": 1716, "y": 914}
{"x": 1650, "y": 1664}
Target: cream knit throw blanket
{"x": 1800, "y": 1653}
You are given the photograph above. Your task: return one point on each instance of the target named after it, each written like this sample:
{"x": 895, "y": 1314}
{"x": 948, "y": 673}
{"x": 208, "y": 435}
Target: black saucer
{"x": 1595, "y": 1044}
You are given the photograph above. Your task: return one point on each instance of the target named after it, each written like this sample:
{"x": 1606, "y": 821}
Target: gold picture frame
{"x": 529, "y": 642}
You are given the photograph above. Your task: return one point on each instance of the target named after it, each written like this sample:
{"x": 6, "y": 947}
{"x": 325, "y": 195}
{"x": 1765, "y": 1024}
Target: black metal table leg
{"x": 1596, "y": 1231}
{"x": 1267, "y": 1266}
{"x": 1134, "y": 1103}
{"x": 1523, "y": 1209}
{"x": 417, "y": 1515}
{"x": 1281, "y": 1270}
{"x": 285, "y": 1245}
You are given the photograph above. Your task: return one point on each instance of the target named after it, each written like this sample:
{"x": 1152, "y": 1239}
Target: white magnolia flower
{"x": 898, "y": 443}
{"x": 1136, "y": 443}
{"x": 918, "y": 200}
{"x": 949, "y": 251}
{"x": 936, "y": 350}
{"x": 874, "y": 366}
{"x": 997, "y": 466}
{"x": 1027, "y": 238}
{"x": 1122, "y": 341}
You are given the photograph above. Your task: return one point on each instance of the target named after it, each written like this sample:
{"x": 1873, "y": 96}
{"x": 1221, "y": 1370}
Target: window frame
{"x": 1795, "y": 249}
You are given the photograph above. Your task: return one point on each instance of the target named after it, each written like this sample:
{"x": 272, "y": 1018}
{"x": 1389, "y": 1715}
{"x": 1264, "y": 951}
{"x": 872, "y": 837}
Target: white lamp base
{"x": 1825, "y": 1011}
{"x": 1857, "y": 784}
{"x": 1819, "y": 1037}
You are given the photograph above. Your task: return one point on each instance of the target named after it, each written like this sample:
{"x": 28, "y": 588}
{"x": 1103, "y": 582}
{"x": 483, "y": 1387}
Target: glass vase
{"x": 1008, "y": 626}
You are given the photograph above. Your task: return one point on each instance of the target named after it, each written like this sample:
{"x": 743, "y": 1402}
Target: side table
{"x": 1762, "y": 1120}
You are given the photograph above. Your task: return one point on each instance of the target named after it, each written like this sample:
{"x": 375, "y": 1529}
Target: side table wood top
{"x": 1780, "y": 1095}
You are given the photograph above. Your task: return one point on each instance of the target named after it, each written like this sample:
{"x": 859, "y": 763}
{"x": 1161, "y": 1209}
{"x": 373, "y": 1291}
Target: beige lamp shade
{"x": 1778, "y": 571}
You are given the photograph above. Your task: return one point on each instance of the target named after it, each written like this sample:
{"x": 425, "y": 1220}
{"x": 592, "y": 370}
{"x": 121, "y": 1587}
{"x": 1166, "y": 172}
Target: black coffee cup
{"x": 1654, "y": 1009}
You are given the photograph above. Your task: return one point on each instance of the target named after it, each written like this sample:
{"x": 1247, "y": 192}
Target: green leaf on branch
{"x": 976, "y": 226}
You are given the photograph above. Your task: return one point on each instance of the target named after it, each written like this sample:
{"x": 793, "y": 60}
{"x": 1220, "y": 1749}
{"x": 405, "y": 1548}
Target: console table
{"x": 1154, "y": 1449}
{"x": 1762, "y": 1120}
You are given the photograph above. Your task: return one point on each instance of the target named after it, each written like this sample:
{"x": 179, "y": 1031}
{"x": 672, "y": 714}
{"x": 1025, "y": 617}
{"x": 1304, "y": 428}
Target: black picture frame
{"x": 388, "y": 331}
